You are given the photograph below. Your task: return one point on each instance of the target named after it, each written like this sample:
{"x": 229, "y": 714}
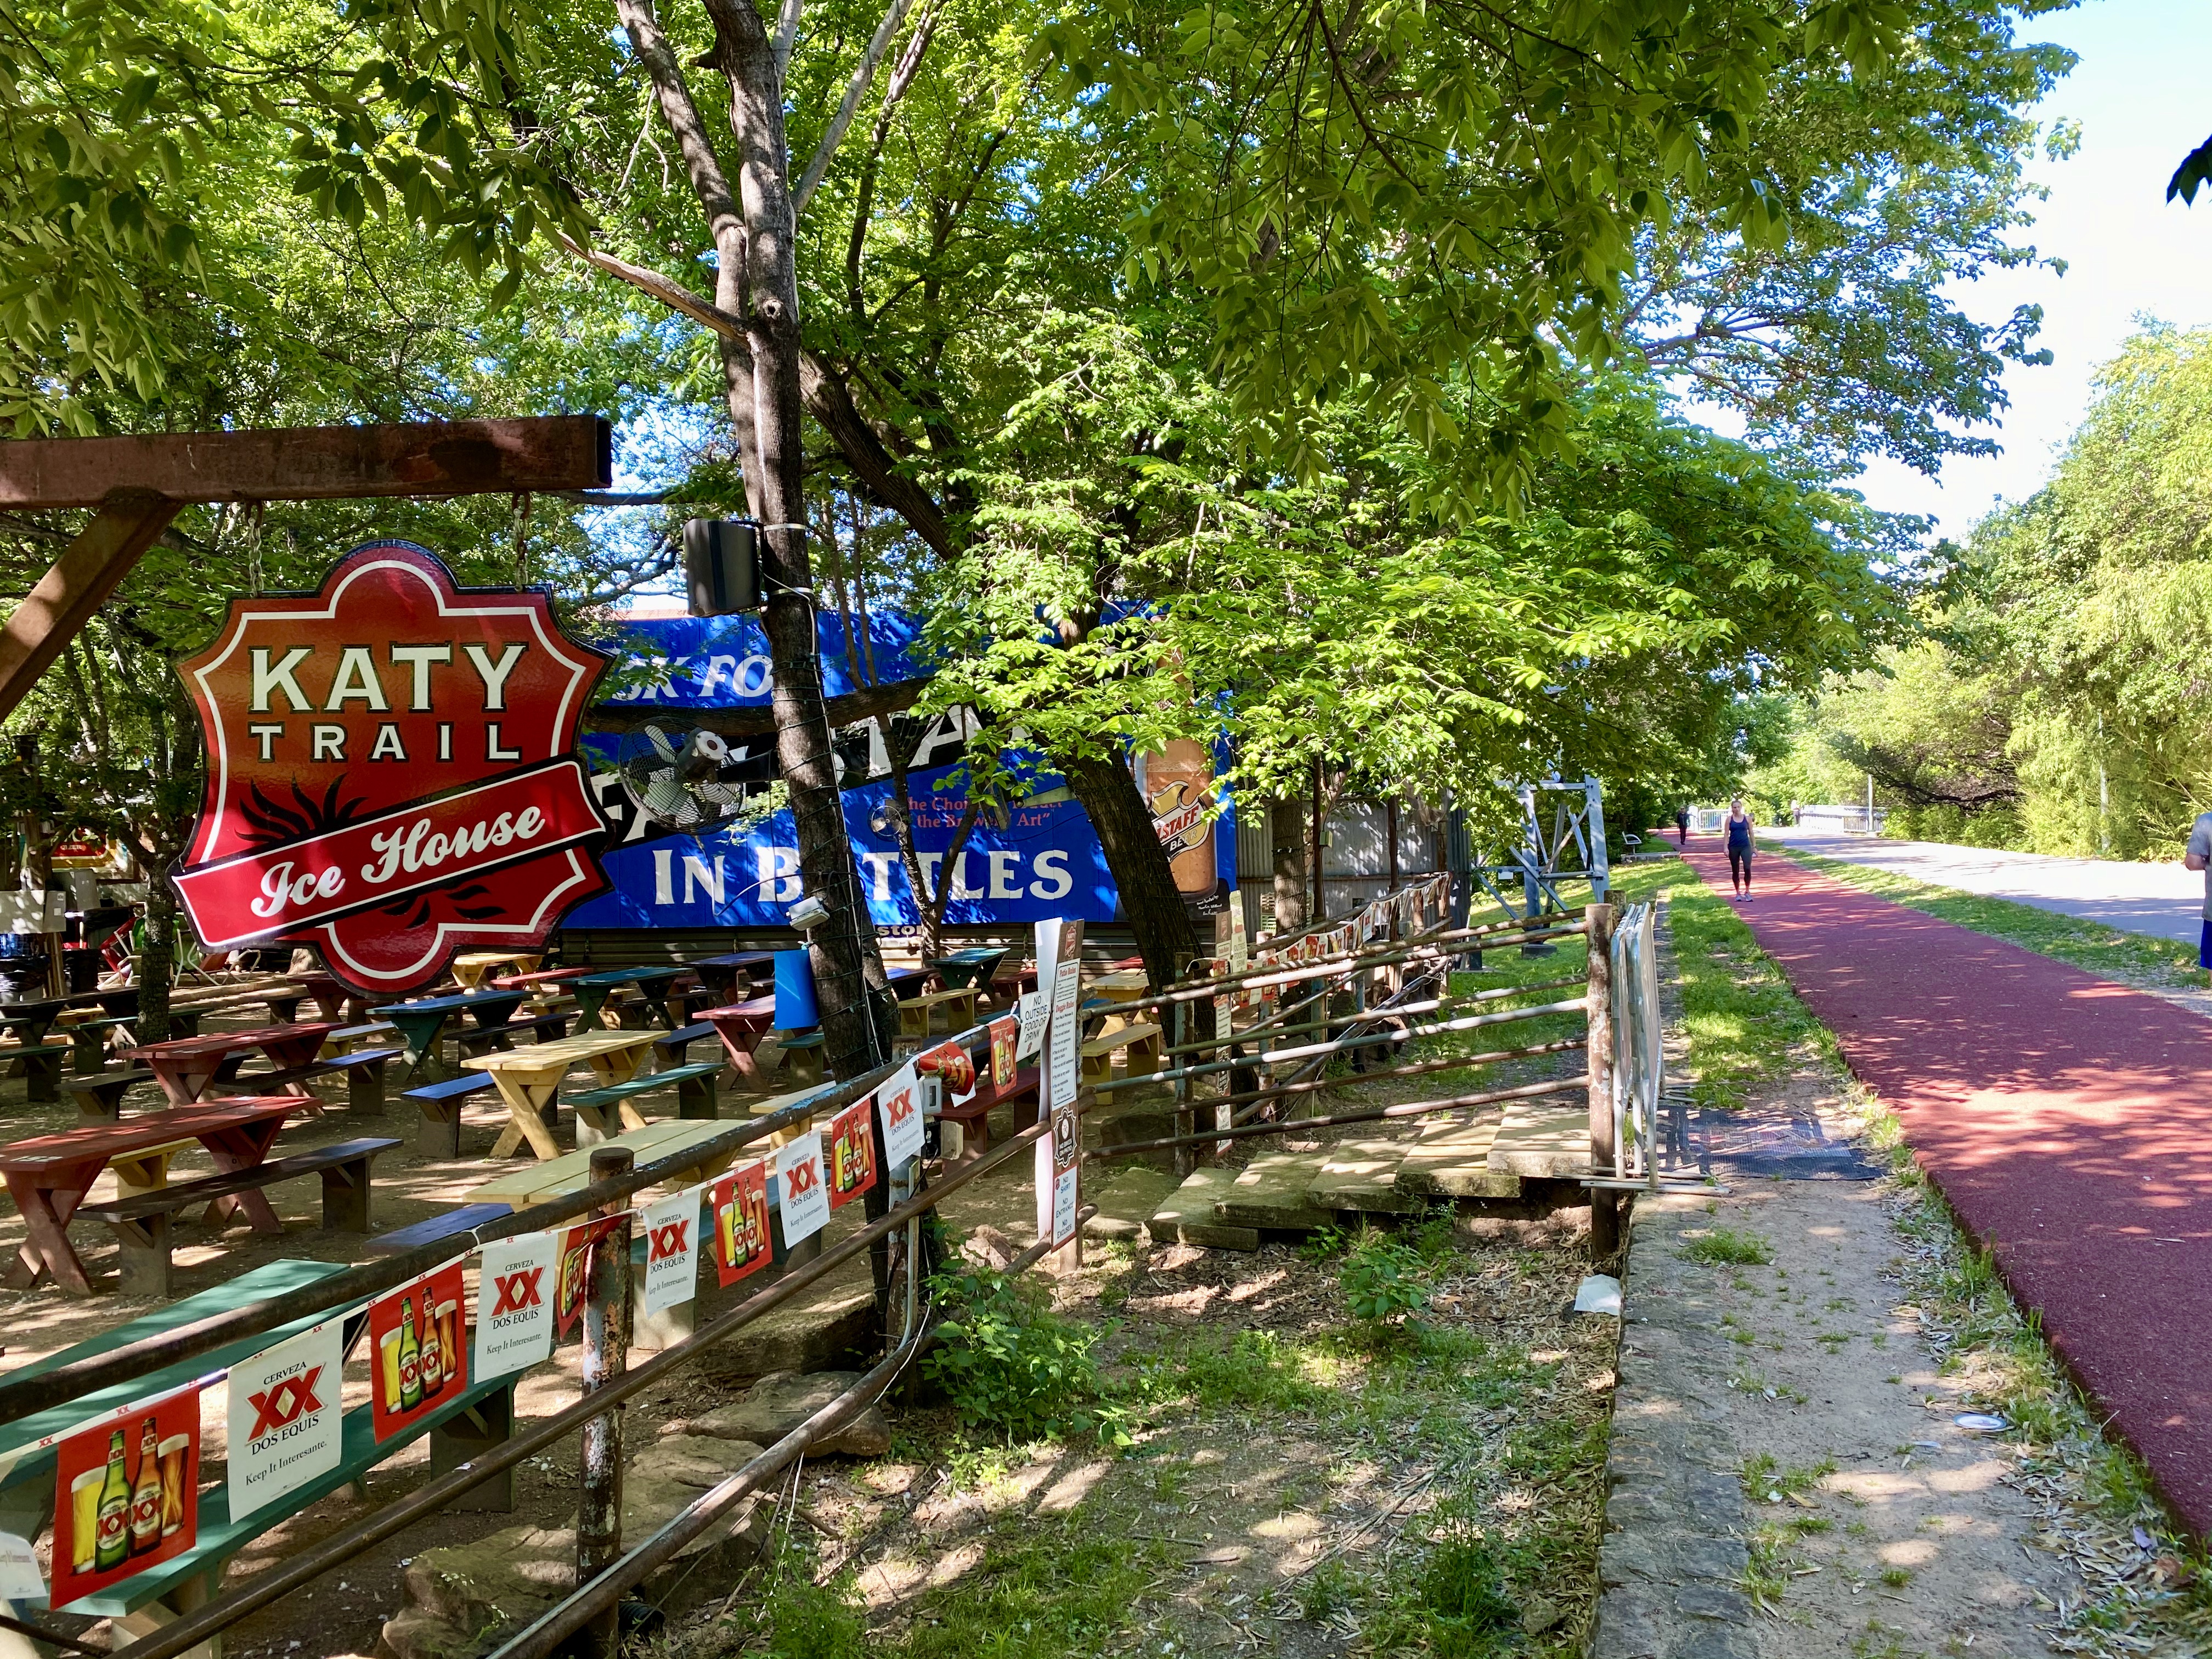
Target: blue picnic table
{"x": 423, "y": 1023}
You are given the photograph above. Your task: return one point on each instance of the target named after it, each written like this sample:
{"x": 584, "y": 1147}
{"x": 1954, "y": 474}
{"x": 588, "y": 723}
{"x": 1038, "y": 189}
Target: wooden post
{"x": 605, "y": 1357}
{"x": 1605, "y": 1206}
{"x": 1179, "y": 1022}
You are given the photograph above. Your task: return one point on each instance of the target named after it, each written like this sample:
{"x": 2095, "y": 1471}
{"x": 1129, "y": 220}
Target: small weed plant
{"x": 1383, "y": 1279}
{"x": 1011, "y": 1366}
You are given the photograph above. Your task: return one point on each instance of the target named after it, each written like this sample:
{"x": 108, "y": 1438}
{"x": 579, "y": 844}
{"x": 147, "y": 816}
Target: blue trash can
{"x": 794, "y": 992}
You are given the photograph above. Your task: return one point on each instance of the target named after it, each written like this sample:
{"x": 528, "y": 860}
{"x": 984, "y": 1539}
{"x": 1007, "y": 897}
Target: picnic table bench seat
{"x": 1141, "y": 1040}
{"x": 437, "y": 1229}
{"x": 143, "y": 1224}
{"x": 695, "y": 1095}
{"x": 88, "y": 1036}
{"x": 671, "y": 1049}
{"x": 973, "y": 1114}
{"x": 99, "y": 1094}
{"x": 439, "y": 1103}
{"x": 362, "y": 1069}
{"x": 42, "y": 1067}
{"x": 918, "y": 1013}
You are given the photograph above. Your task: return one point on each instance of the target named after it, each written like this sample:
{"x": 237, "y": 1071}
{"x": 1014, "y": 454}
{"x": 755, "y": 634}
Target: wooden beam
{"x": 78, "y": 585}
{"x": 308, "y": 464}
{"x": 847, "y": 710}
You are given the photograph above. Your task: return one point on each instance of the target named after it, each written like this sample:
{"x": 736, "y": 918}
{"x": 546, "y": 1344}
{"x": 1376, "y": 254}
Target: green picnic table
{"x": 421, "y": 1023}
{"x": 475, "y": 1420}
{"x": 593, "y": 990}
{"x": 964, "y": 967}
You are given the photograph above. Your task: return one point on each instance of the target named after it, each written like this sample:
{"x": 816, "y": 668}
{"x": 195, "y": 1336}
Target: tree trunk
{"x": 157, "y": 964}
{"x": 847, "y": 964}
{"x": 1286, "y": 826}
{"x": 1153, "y": 908}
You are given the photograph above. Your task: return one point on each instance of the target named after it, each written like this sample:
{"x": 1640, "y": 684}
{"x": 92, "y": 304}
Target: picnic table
{"x": 570, "y": 1172}
{"x": 471, "y": 968}
{"x": 746, "y": 1028}
{"x": 722, "y": 975}
{"x": 31, "y": 1021}
{"x": 529, "y": 1081}
{"x": 652, "y": 984}
{"x": 48, "y": 1176}
{"x": 186, "y": 1067}
{"x": 965, "y": 968}
{"x": 421, "y": 1023}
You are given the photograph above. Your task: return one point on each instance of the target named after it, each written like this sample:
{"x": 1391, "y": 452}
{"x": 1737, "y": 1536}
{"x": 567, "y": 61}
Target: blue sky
{"x": 2143, "y": 98}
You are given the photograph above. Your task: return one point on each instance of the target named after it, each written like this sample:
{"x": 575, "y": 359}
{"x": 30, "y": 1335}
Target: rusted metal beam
{"x": 314, "y": 463}
{"x": 78, "y": 585}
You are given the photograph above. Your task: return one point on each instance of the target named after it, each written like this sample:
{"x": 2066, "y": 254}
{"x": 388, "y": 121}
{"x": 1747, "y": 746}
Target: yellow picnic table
{"x": 528, "y": 1079}
{"x": 471, "y": 968}
{"x": 557, "y": 1177}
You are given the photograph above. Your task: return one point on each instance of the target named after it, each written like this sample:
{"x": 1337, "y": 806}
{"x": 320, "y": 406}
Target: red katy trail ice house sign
{"x": 392, "y": 775}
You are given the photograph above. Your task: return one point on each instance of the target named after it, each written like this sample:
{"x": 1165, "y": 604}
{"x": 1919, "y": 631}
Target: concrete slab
{"x": 1362, "y": 1174}
{"x": 1127, "y": 1200}
{"x": 1186, "y": 1216}
{"x": 1452, "y": 1160}
{"x": 1270, "y": 1192}
{"x": 1540, "y": 1138}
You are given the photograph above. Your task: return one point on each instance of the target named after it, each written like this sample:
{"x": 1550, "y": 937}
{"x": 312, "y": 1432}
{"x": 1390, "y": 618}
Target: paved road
{"x": 2143, "y": 898}
{"x": 2067, "y": 1121}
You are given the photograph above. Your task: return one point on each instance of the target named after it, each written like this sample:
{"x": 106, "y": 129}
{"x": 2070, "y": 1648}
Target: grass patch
{"x": 1767, "y": 1481}
{"x": 1725, "y": 1246}
{"x": 2110, "y": 952}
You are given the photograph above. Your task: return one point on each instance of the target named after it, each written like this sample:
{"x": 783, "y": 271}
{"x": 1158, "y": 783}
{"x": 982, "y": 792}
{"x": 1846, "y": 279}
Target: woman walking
{"x": 1738, "y": 847}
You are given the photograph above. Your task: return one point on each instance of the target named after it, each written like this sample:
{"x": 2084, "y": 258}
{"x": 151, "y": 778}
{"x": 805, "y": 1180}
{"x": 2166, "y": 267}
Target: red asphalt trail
{"x": 2067, "y": 1121}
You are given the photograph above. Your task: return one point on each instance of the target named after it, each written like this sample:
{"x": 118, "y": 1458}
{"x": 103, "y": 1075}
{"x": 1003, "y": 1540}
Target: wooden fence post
{"x": 1605, "y": 1206}
{"x": 605, "y": 1357}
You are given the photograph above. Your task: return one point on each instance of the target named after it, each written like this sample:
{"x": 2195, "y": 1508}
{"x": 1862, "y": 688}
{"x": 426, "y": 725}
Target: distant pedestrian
{"x": 1738, "y": 847}
{"x": 2199, "y": 857}
{"x": 1682, "y": 826}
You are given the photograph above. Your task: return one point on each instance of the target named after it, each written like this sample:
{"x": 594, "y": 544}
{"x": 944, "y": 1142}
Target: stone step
{"x": 1186, "y": 1216}
{"x": 1127, "y": 1200}
{"x": 1452, "y": 1160}
{"x": 1270, "y": 1193}
{"x": 1362, "y": 1174}
{"x": 1543, "y": 1138}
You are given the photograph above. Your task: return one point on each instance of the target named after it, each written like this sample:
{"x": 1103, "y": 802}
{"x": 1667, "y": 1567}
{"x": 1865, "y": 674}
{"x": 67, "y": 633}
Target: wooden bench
{"x": 88, "y": 1037}
{"x": 341, "y": 1042}
{"x": 973, "y": 1114}
{"x": 804, "y": 1048}
{"x": 99, "y": 1095}
{"x": 694, "y": 1097}
{"x": 439, "y": 1134}
{"x": 362, "y": 1069}
{"x": 466, "y": 1426}
{"x": 918, "y": 1014}
{"x": 1142, "y": 1042}
{"x": 670, "y": 1050}
{"x": 143, "y": 1225}
{"x": 42, "y": 1067}
{"x": 454, "y": 1224}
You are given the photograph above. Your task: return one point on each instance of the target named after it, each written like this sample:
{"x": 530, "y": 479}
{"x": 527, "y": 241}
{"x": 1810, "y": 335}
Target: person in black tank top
{"x": 1739, "y": 847}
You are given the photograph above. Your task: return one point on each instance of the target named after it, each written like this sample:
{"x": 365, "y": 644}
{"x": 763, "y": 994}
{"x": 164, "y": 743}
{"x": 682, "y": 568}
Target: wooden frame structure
{"x": 139, "y": 484}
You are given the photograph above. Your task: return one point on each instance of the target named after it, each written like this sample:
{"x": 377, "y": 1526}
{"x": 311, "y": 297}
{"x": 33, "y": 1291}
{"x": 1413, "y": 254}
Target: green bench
{"x": 99, "y": 1095}
{"x": 42, "y": 1067}
{"x": 470, "y": 1424}
{"x": 695, "y": 1095}
{"x": 90, "y": 1038}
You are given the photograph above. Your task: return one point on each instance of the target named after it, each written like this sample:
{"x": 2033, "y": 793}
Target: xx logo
{"x": 518, "y": 1292}
{"x": 674, "y": 1239}
{"x": 805, "y": 1178}
{"x": 285, "y": 1404}
{"x": 900, "y": 1107}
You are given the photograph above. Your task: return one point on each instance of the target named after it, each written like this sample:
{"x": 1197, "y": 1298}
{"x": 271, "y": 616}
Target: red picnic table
{"x": 742, "y": 1026}
{"x": 186, "y": 1066}
{"x": 49, "y": 1175}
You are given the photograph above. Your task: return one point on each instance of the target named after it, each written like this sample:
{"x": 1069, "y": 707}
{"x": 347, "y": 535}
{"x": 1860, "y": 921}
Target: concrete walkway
{"x": 2163, "y": 899}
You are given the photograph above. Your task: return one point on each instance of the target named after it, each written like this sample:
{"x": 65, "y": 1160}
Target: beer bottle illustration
{"x": 410, "y": 1359}
{"x": 146, "y": 1496}
{"x": 114, "y": 1548}
{"x": 431, "y": 1366}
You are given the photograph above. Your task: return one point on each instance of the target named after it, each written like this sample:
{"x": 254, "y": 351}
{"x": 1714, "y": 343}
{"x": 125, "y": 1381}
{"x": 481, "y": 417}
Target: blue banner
{"x": 1034, "y": 860}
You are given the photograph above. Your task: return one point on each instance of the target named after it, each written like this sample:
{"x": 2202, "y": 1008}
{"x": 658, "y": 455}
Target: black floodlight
{"x": 721, "y": 565}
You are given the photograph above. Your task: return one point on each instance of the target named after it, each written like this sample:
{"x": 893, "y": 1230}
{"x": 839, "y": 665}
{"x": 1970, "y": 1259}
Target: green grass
{"x": 1726, "y": 1245}
{"x": 2108, "y": 952}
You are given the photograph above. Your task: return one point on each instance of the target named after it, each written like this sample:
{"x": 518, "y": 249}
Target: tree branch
{"x": 668, "y": 291}
{"x": 863, "y": 73}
